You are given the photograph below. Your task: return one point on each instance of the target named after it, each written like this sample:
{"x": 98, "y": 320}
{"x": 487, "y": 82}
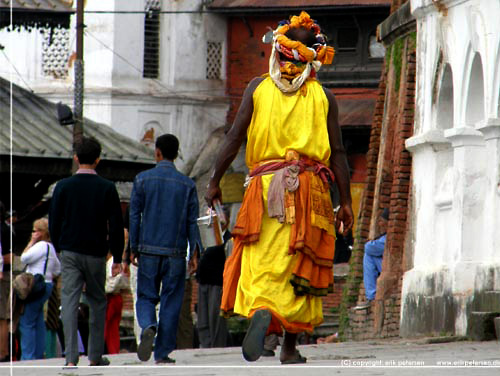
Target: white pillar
{"x": 490, "y": 128}
{"x": 426, "y": 169}
{"x": 468, "y": 159}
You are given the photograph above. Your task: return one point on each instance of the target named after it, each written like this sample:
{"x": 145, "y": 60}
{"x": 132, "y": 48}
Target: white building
{"x": 145, "y": 73}
{"x": 455, "y": 232}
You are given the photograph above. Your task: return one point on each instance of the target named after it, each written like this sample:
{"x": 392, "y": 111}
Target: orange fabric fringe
{"x": 278, "y": 323}
{"x": 315, "y": 245}
{"x": 312, "y": 273}
{"x": 247, "y": 227}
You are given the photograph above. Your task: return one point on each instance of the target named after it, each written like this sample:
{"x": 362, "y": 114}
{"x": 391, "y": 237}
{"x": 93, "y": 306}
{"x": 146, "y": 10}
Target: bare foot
{"x": 289, "y": 354}
{"x": 330, "y": 339}
{"x": 292, "y": 358}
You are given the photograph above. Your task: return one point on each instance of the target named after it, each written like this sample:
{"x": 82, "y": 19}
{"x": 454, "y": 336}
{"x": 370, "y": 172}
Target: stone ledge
{"x": 398, "y": 24}
{"x": 433, "y": 138}
{"x": 464, "y": 136}
{"x": 490, "y": 128}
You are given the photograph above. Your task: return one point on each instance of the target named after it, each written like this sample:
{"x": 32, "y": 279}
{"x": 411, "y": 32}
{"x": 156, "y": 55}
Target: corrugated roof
{"x": 36, "y": 131}
{"x": 39, "y": 5}
{"x": 256, "y": 4}
{"x": 36, "y": 13}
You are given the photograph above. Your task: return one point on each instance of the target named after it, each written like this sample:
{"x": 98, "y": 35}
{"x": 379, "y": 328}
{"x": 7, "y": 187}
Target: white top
{"x": 34, "y": 258}
{"x": 117, "y": 283}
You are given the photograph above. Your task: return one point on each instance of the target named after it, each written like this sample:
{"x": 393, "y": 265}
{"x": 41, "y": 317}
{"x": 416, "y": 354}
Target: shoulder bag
{"x": 29, "y": 287}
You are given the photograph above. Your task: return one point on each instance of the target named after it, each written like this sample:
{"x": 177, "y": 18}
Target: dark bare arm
{"x": 339, "y": 166}
{"x": 232, "y": 143}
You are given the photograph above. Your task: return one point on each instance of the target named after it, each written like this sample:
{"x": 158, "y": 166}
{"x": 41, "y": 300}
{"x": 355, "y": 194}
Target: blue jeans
{"x": 170, "y": 273}
{"x": 372, "y": 267}
{"x": 32, "y": 327}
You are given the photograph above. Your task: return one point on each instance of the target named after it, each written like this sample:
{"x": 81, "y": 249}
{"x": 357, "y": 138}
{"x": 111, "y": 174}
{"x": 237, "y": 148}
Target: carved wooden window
{"x": 347, "y": 39}
{"x": 214, "y": 60}
{"x": 55, "y": 52}
{"x": 151, "y": 61}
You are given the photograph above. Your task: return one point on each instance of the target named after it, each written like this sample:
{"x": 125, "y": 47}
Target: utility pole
{"x": 78, "y": 88}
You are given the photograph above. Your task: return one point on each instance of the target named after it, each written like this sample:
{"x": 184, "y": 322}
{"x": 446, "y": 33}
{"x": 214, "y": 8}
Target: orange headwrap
{"x": 322, "y": 53}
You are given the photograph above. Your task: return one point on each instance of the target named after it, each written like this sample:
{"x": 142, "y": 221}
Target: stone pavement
{"x": 382, "y": 357}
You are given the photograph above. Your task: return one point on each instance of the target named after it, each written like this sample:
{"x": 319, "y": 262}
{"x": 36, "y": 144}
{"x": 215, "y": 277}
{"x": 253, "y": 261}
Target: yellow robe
{"x": 281, "y": 122}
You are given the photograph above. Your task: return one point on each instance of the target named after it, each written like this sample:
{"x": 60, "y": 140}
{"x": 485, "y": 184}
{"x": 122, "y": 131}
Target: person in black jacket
{"x": 85, "y": 221}
{"x": 212, "y": 330}
{"x": 6, "y": 236}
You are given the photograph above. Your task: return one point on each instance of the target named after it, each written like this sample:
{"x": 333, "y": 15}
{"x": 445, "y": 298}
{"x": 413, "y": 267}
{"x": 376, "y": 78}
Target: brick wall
{"x": 387, "y": 186}
{"x": 332, "y": 300}
{"x": 396, "y": 4}
{"x": 247, "y": 56}
{"x": 355, "y": 276}
{"x": 384, "y": 314}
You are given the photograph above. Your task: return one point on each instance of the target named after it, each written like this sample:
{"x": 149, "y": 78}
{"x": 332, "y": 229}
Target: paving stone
{"x": 393, "y": 357}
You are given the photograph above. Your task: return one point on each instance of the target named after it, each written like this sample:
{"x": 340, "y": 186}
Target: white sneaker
{"x": 364, "y": 305}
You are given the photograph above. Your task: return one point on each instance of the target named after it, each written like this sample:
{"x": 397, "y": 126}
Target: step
{"x": 326, "y": 328}
{"x": 481, "y": 325}
{"x": 329, "y": 317}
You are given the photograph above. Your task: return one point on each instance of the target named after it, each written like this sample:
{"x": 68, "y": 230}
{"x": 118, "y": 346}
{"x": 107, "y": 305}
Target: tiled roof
{"x": 36, "y": 131}
{"x": 275, "y": 4}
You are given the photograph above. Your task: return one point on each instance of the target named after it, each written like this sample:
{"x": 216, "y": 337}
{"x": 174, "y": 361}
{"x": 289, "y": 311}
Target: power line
{"x": 218, "y": 11}
{"x": 148, "y": 11}
{"x": 141, "y": 104}
{"x": 140, "y": 71}
{"x": 129, "y": 63}
{"x": 178, "y": 93}
{"x": 114, "y": 52}
{"x": 181, "y": 94}
{"x": 201, "y": 11}
{"x": 14, "y": 67}
{"x": 97, "y": 104}
{"x": 217, "y": 120}
{"x": 69, "y": 91}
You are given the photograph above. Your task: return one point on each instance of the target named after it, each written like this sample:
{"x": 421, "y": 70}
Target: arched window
{"x": 475, "y": 93}
{"x": 444, "y": 115}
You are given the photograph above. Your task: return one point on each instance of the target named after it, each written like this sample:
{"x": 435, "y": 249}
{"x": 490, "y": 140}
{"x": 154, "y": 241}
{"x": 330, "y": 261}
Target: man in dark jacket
{"x": 85, "y": 222}
{"x": 163, "y": 214}
{"x": 6, "y": 241}
{"x": 212, "y": 329}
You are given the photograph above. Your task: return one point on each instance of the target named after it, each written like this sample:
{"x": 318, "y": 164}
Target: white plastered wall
{"x": 456, "y": 153}
{"x": 181, "y": 101}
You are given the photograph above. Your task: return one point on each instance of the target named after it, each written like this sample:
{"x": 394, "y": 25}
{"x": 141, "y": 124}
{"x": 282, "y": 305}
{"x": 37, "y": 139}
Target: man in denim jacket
{"x": 163, "y": 214}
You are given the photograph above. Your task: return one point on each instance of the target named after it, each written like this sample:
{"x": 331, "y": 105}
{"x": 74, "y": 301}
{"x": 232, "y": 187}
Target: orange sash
{"x": 312, "y": 273}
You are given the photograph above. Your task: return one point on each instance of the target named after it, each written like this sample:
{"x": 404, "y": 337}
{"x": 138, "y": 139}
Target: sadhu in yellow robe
{"x": 285, "y": 266}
